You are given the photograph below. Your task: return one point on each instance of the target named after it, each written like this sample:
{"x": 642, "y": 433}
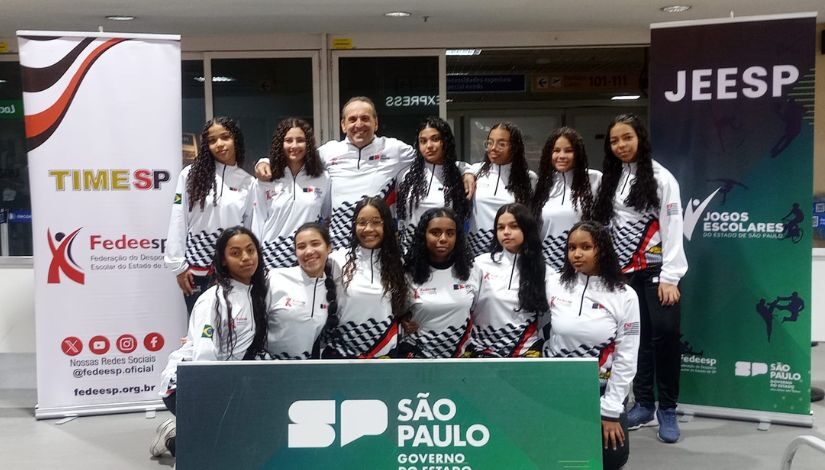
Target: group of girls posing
{"x": 362, "y": 301}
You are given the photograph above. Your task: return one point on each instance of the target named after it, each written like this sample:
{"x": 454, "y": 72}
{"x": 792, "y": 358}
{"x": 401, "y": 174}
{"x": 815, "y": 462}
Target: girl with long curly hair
{"x": 564, "y": 193}
{"x": 228, "y": 322}
{"x": 502, "y": 178}
{"x": 212, "y": 193}
{"x": 511, "y": 282}
{"x": 371, "y": 286}
{"x": 639, "y": 200}
{"x": 433, "y": 180}
{"x": 594, "y": 314}
{"x": 299, "y": 192}
{"x": 442, "y": 290}
{"x": 303, "y": 302}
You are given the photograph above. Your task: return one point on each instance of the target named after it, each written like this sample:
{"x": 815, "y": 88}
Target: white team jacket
{"x": 434, "y": 176}
{"x": 558, "y": 215}
{"x": 491, "y": 193}
{"x": 201, "y": 339}
{"x": 441, "y": 308}
{"x": 355, "y": 173}
{"x": 643, "y": 240}
{"x": 191, "y": 239}
{"x": 283, "y": 205}
{"x": 296, "y": 312}
{"x": 587, "y": 320}
{"x": 366, "y": 326}
{"x": 498, "y": 329}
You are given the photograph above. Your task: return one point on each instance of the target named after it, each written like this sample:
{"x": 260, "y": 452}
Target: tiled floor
{"x": 122, "y": 441}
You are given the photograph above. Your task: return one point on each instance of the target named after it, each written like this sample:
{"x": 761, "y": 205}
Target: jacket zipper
{"x": 314, "y": 289}
{"x": 372, "y": 268}
{"x": 429, "y": 186}
{"x": 512, "y": 271}
{"x": 359, "y": 159}
{"x": 498, "y": 178}
{"x": 563, "y": 187}
{"x": 626, "y": 179}
{"x": 581, "y": 302}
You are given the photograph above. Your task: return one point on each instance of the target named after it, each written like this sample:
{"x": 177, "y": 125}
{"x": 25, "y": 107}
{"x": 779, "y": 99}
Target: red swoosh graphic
{"x": 39, "y": 123}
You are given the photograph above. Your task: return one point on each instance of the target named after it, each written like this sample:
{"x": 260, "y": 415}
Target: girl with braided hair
{"x": 212, "y": 193}
{"x": 302, "y": 300}
{"x": 442, "y": 289}
{"x": 434, "y": 179}
{"x": 502, "y": 178}
{"x": 564, "y": 193}
{"x": 228, "y": 322}
{"x": 299, "y": 192}
{"x": 371, "y": 285}
{"x": 639, "y": 200}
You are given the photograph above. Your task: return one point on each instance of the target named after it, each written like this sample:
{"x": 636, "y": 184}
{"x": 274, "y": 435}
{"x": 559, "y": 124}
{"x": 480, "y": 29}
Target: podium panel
{"x": 451, "y": 414}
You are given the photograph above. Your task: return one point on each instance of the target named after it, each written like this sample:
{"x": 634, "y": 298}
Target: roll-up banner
{"x": 731, "y": 115}
{"x": 103, "y": 127}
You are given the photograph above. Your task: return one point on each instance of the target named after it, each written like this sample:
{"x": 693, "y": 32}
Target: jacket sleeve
{"x": 202, "y": 327}
{"x": 260, "y": 208}
{"x": 175, "y": 256}
{"x": 624, "y": 356}
{"x": 326, "y": 206}
{"x": 674, "y": 262}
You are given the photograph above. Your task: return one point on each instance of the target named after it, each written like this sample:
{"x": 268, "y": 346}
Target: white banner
{"x": 103, "y": 129}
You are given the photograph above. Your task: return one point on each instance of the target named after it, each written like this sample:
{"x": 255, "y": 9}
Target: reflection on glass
{"x": 15, "y": 197}
{"x": 259, "y": 93}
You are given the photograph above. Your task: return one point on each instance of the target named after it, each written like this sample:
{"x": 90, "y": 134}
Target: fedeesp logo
{"x": 421, "y": 425}
{"x": 108, "y": 179}
{"x": 62, "y": 260}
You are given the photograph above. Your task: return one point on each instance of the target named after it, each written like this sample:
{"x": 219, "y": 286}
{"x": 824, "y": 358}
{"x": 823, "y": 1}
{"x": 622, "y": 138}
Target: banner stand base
{"x": 94, "y": 410}
{"x": 806, "y": 421}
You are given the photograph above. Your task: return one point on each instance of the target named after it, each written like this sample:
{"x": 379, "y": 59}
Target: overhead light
{"x": 218, "y": 78}
{"x": 463, "y": 51}
{"x": 675, "y": 8}
{"x": 120, "y": 18}
{"x": 2, "y": 81}
{"x": 626, "y": 97}
{"x": 397, "y": 14}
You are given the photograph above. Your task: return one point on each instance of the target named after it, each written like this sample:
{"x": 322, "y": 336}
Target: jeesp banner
{"x": 103, "y": 127}
{"x": 732, "y": 117}
{"x": 435, "y": 414}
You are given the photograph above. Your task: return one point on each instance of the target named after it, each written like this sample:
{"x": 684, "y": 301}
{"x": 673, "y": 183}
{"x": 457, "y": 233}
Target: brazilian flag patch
{"x": 207, "y": 332}
{"x": 178, "y": 198}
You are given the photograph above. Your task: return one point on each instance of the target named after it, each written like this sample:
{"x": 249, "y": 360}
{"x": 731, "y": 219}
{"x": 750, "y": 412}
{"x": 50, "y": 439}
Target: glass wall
{"x": 15, "y": 198}
{"x": 404, "y": 89}
{"x": 259, "y": 93}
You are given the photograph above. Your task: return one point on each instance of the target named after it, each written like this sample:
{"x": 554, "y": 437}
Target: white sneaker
{"x": 164, "y": 431}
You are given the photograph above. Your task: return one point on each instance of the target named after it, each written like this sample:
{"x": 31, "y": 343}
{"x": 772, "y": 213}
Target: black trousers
{"x": 659, "y": 350}
{"x": 614, "y": 459}
{"x": 201, "y": 284}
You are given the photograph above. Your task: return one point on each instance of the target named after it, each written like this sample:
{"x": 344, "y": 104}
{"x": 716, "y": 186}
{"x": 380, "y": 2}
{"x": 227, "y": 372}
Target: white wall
{"x": 17, "y": 307}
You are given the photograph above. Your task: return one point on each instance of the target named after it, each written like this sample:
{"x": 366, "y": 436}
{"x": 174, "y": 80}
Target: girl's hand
{"x": 263, "y": 171}
{"x": 469, "y": 185}
{"x": 668, "y": 294}
{"x": 186, "y": 282}
{"x": 612, "y": 434}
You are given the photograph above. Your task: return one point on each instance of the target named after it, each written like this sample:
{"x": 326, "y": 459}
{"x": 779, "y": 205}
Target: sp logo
{"x": 313, "y": 422}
